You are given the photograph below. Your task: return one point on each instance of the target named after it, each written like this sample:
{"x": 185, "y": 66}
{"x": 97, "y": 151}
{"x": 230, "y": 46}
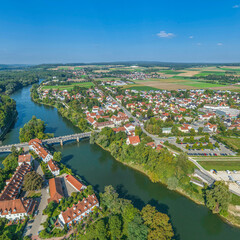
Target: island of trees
{"x": 35, "y": 128}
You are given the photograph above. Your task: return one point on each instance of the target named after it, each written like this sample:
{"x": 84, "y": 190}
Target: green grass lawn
{"x": 235, "y": 200}
{"x": 70, "y": 86}
{"x": 221, "y": 165}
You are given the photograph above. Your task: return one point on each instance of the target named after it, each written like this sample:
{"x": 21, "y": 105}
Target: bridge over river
{"x": 55, "y": 140}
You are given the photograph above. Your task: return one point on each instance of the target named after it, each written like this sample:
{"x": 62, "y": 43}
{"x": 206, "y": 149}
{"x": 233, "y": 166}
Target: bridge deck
{"x": 7, "y": 148}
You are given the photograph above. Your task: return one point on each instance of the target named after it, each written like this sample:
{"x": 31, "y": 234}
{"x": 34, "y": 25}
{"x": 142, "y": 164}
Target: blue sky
{"x": 91, "y": 31}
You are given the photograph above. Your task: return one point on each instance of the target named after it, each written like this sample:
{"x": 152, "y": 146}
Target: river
{"x": 98, "y": 168}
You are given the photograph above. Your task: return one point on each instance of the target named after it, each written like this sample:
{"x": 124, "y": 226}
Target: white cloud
{"x": 199, "y": 44}
{"x": 191, "y": 37}
{"x": 164, "y": 34}
{"x": 236, "y": 6}
{"x": 220, "y": 44}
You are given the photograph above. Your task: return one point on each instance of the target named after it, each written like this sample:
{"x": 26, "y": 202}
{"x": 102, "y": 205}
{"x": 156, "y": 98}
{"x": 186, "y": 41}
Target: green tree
{"x": 158, "y": 223}
{"x": 115, "y": 225}
{"x": 100, "y": 230}
{"x": 137, "y": 230}
{"x": 32, "y": 181}
{"x": 10, "y": 162}
{"x": 216, "y": 145}
{"x": 57, "y": 156}
{"x": 192, "y": 132}
{"x": 33, "y": 129}
{"x": 218, "y": 197}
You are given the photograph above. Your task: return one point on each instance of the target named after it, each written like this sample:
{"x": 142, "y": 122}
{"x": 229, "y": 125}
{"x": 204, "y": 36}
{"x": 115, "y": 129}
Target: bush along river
{"x": 98, "y": 168}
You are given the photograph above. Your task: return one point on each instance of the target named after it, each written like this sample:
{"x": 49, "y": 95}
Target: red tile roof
{"x": 74, "y": 182}
{"x": 52, "y": 165}
{"x": 78, "y": 209}
{"x": 24, "y": 158}
{"x": 134, "y": 140}
{"x": 55, "y": 189}
{"x": 37, "y": 145}
{"x": 15, "y": 206}
{"x": 14, "y": 184}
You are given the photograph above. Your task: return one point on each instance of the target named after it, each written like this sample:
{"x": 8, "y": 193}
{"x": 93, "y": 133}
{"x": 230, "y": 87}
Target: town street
{"x": 33, "y": 226}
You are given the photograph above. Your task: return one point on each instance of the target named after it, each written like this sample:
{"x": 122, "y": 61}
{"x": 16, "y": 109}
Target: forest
{"x": 7, "y": 110}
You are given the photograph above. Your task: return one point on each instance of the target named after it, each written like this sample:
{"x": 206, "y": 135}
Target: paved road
{"x": 156, "y": 139}
{"x": 33, "y": 226}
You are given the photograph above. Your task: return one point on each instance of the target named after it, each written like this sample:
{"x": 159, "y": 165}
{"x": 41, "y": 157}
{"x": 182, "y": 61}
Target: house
{"x": 76, "y": 184}
{"x": 119, "y": 129}
{"x": 133, "y": 140}
{"x": 53, "y": 168}
{"x": 37, "y": 147}
{"x": 78, "y": 211}
{"x": 129, "y": 128}
{"x": 151, "y": 144}
{"x": 95, "y": 109}
{"x": 16, "y": 208}
{"x": 211, "y": 127}
{"x": 25, "y": 158}
{"x": 101, "y": 125}
{"x": 55, "y": 190}
{"x": 14, "y": 184}
{"x": 185, "y": 128}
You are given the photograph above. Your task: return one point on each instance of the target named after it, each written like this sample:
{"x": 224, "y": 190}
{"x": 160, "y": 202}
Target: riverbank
{"x": 6, "y": 128}
{"x": 229, "y": 219}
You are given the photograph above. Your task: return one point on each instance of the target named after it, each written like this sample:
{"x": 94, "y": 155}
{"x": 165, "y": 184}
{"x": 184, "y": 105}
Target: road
{"x": 156, "y": 139}
{"x": 33, "y": 226}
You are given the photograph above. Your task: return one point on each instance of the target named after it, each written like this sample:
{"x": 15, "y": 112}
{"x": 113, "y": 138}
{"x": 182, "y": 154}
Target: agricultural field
{"x": 177, "y": 83}
{"x": 70, "y": 86}
{"x": 140, "y": 88}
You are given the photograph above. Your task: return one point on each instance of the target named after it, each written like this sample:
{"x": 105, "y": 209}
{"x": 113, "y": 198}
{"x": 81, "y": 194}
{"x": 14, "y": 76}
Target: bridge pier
{"x": 77, "y": 139}
{"x": 61, "y": 142}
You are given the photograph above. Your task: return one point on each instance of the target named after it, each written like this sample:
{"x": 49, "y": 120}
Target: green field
{"x": 231, "y": 69}
{"x": 70, "y": 86}
{"x": 170, "y": 72}
{"x": 107, "y": 79}
{"x": 141, "y": 88}
{"x": 221, "y": 165}
{"x": 193, "y": 82}
{"x": 201, "y": 84}
{"x": 202, "y": 74}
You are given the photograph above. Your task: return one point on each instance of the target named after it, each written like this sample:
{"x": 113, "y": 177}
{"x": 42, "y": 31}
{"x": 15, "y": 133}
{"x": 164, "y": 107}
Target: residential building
{"x": 76, "y": 184}
{"x": 16, "y": 208}
{"x": 78, "y": 211}
{"x": 55, "y": 190}
{"x": 25, "y": 158}
{"x": 53, "y": 168}
{"x": 133, "y": 140}
{"x": 14, "y": 184}
{"x": 37, "y": 146}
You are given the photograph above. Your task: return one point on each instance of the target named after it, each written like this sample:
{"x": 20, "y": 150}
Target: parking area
{"x": 221, "y": 151}
{"x": 230, "y": 177}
